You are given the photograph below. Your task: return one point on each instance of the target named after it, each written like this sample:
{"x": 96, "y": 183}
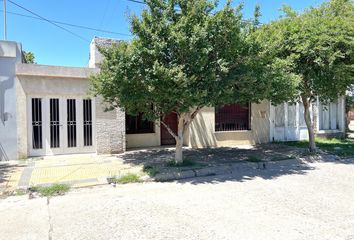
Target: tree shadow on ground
{"x": 243, "y": 175}
{"x": 265, "y": 152}
{"x": 267, "y": 161}
{"x": 6, "y": 171}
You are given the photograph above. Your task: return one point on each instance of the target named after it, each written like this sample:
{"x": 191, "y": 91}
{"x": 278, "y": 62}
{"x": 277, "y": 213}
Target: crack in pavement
{"x": 50, "y": 231}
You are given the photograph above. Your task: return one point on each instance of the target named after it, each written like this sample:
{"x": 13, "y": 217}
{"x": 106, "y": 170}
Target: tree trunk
{"x": 179, "y": 151}
{"x": 184, "y": 120}
{"x": 179, "y": 140}
{"x": 309, "y": 124}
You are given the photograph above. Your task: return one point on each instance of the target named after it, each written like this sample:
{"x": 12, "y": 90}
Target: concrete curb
{"x": 222, "y": 170}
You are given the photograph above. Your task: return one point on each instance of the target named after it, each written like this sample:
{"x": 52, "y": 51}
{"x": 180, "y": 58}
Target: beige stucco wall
{"x": 202, "y": 130}
{"x": 145, "y": 139}
{"x": 54, "y": 81}
{"x": 30, "y": 86}
{"x": 21, "y": 110}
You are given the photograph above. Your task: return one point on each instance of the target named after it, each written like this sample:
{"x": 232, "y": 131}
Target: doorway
{"x": 58, "y": 125}
{"x": 166, "y": 137}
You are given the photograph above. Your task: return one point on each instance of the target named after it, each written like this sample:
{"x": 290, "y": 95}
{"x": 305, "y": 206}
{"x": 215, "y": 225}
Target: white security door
{"x": 60, "y": 126}
{"x": 279, "y": 122}
{"x": 287, "y": 122}
{"x": 292, "y": 129}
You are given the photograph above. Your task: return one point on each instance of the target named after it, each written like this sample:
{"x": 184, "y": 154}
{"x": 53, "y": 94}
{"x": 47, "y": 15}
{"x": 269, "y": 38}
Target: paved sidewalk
{"x": 78, "y": 170}
{"x": 313, "y": 202}
{"x": 10, "y": 173}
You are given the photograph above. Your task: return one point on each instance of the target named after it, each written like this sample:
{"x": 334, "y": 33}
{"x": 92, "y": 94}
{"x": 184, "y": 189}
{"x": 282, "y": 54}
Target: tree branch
{"x": 192, "y": 116}
{"x": 169, "y": 129}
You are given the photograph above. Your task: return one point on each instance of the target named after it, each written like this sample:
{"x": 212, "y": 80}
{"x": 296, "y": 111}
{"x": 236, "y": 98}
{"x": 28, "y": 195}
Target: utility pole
{"x": 5, "y": 32}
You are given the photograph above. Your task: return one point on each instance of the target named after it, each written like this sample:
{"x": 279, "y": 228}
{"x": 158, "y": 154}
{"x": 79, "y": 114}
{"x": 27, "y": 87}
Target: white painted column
{"x": 46, "y": 125}
{"x": 79, "y": 124}
{"x": 286, "y": 132}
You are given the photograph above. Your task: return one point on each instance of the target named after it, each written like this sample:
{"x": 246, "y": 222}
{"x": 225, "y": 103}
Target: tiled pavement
{"x": 10, "y": 174}
{"x": 76, "y": 170}
{"x": 80, "y": 170}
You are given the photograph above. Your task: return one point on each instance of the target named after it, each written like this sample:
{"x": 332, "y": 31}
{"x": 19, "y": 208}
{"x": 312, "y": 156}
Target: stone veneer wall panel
{"x": 110, "y": 130}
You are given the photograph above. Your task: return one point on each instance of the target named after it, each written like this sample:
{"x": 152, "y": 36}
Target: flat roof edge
{"x": 23, "y": 69}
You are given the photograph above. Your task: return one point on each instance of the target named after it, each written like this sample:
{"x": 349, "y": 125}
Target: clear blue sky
{"x": 53, "y": 46}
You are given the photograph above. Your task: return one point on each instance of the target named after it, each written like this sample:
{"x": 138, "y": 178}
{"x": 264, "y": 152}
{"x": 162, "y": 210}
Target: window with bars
{"x": 233, "y": 117}
{"x": 138, "y": 124}
{"x": 37, "y": 132}
{"x": 71, "y": 122}
{"x": 54, "y": 123}
{"x": 87, "y": 111}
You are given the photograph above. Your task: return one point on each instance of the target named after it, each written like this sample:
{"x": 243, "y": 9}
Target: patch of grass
{"x": 253, "y": 158}
{"x": 185, "y": 163}
{"x": 52, "y": 190}
{"x": 340, "y": 147}
{"x": 19, "y": 192}
{"x": 128, "y": 178}
{"x": 150, "y": 170}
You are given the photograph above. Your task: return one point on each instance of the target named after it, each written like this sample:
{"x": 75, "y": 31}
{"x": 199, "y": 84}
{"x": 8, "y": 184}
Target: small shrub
{"x": 253, "y": 159}
{"x": 129, "y": 178}
{"x": 52, "y": 190}
{"x": 150, "y": 170}
{"x": 185, "y": 163}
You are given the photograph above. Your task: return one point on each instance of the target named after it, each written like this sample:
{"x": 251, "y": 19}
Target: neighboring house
{"x": 47, "y": 110}
{"x": 349, "y": 109}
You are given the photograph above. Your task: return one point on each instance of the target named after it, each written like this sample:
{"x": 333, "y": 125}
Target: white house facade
{"x": 48, "y": 110}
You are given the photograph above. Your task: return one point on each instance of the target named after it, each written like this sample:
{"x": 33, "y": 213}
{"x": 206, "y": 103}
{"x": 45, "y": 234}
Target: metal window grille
{"x": 54, "y": 123}
{"x": 37, "y": 132}
{"x": 232, "y": 117}
{"x": 71, "y": 122}
{"x": 87, "y": 107}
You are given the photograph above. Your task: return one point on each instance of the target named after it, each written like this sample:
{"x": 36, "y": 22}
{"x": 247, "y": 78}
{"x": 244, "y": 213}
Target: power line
{"x": 49, "y": 21}
{"x": 105, "y": 12}
{"x": 68, "y": 24}
{"x": 136, "y": 1}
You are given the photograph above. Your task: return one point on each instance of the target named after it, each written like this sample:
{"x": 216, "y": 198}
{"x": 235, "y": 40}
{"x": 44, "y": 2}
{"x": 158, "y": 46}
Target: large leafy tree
{"x": 314, "y": 49}
{"x": 185, "y": 55}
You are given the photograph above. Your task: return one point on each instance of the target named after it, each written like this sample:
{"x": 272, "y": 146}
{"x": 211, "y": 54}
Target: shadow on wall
{"x": 4, "y": 85}
{"x": 3, "y": 155}
{"x": 261, "y": 128}
{"x": 201, "y": 135}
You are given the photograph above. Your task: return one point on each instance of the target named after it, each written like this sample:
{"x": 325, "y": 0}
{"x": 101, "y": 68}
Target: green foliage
{"x": 254, "y": 158}
{"x": 29, "y": 57}
{"x": 340, "y": 147}
{"x": 150, "y": 170}
{"x": 185, "y": 163}
{"x": 349, "y": 103}
{"x": 185, "y": 54}
{"x": 19, "y": 192}
{"x": 312, "y": 51}
{"x": 129, "y": 178}
{"x": 52, "y": 190}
